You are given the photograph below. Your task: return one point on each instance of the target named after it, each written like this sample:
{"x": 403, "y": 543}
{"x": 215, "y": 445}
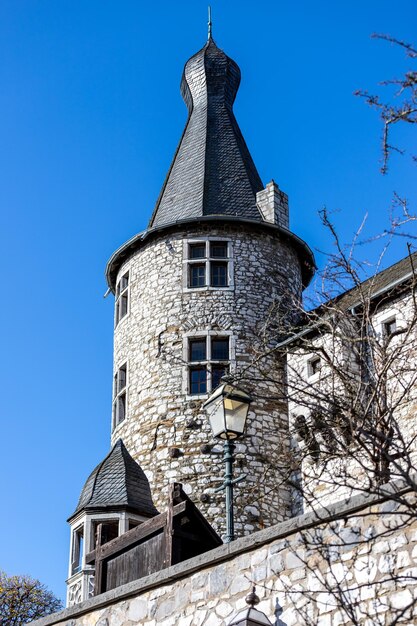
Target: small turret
{"x": 115, "y": 498}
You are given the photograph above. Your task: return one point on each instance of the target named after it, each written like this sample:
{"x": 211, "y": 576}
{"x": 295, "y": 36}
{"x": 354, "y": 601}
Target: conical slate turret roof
{"x": 117, "y": 482}
{"x": 212, "y": 172}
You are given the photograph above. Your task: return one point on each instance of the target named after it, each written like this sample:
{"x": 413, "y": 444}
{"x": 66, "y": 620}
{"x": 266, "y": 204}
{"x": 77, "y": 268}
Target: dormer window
{"x": 208, "y": 264}
{"x": 122, "y": 298}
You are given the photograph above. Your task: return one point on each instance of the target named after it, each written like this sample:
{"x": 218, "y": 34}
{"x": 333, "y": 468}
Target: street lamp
{"x": 250, "y": 616}
{"x": 227, "y": 410}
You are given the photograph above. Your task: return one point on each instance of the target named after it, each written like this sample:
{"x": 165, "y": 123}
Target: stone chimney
{"x": 273, "y": 204}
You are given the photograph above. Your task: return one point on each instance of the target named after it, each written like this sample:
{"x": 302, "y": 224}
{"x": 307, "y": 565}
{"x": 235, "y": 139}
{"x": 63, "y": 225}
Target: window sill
{"x": 207, "y": 288}
{"x": 121, "y": 321}
{"x": 201, "y": 396}
{"x": 116, "y": 428}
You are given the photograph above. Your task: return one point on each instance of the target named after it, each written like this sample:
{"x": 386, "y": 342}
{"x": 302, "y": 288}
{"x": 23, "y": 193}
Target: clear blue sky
{"x": 90, "y": 115}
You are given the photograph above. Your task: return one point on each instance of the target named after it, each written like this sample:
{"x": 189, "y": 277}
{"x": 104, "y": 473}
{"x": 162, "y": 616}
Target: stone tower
{"x": 191, "y": 295}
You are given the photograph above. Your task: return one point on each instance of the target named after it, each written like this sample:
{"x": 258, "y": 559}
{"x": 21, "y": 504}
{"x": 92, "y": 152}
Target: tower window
{"x": 120, "y": 395}
{"x": 218, "y": 249}
{"x": 198, "y": 349}
{"x": 208, "y": 264}
{"x": 105, "y": 531}
{"x": 197, "y": 275}
{"x": 208, "y": 362}
{"x": 198, "y": 380}
{"x": 218, "y": 274}
{"x": 77, "y": 550}
{"x": 122, "y": 298}
{"x": 197, "y": 250}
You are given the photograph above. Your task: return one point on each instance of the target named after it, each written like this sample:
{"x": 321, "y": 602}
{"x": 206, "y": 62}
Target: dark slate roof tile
{"x": 385, "y": 280}
{"x": 118, "y": 481}
{"x": 212, "y": 172}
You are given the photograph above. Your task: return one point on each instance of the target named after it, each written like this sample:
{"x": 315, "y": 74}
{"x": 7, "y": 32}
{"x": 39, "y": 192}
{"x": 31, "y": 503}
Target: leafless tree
{"x": 401, "y": 107}
{"x": 351, "y": 390}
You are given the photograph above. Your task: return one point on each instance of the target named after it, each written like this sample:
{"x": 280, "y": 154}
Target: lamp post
{"x": 227, "y": 409}
{"x": 250, "y": 616}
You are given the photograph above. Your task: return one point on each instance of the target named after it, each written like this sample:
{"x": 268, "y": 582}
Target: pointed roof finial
{"x": 209, "y": 23}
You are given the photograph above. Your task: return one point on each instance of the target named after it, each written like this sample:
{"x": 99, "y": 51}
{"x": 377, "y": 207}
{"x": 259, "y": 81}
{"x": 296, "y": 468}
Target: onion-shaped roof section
{"x": 212, "y": 172}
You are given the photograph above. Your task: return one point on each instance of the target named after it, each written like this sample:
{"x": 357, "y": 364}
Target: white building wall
{"x": 332, "y": 472}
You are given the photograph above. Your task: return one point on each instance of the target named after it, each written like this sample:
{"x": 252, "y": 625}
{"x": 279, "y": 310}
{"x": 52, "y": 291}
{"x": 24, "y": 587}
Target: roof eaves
{"x": 135, "y": 241}
{"x": 383, "y": 290}
{"x": 314, "y": 328}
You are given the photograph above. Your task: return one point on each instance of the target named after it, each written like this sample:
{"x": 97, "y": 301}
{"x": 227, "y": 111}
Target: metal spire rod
{"x": 209, "y": 23}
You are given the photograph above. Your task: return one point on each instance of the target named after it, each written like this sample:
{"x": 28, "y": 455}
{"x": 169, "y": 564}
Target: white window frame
{"x": 78, "y": 539}
{"x": 120, "y": 294}
{"x": 386, "y": 322}
{"x": 383, "y": 317}
{"x": 118, "y": 393}
{"x": 209, "y": 362}
{"x": 207, "y": 260}
{"x": 106, "y": 520}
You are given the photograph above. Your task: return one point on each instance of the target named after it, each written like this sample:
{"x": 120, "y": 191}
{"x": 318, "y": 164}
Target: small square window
{"x": 133, "y": 523}
{"x": 314, "y": 366}
{"x": 197, "y": 250}
{"x": 218, "y": 274}
{"x": 389, "y": 327}
{"x": 198, "y": 350}
{"x": 220, "y": 349}
{"x": 197, "y": 275}
{"x": 198, "y": 380}
{"x": 218, "y": 249}
{"x": 217, "y": 373}
{"x": 105, "y": 532}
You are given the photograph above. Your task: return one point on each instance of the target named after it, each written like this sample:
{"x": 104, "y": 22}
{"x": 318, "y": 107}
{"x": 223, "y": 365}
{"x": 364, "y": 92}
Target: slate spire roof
{"x": 117, "y": 482}
{"x": 212, "y": 172}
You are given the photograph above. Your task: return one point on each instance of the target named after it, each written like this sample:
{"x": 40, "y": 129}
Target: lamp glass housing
{"x": 250, "y": 617}
{"x": 227, "y": 409}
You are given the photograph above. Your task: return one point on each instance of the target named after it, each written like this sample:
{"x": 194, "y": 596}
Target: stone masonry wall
{"x": 165, "y": 428}
{"x": 355, "y": 563}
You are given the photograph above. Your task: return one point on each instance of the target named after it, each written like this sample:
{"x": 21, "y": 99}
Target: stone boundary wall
{"x": 372, "y": 567}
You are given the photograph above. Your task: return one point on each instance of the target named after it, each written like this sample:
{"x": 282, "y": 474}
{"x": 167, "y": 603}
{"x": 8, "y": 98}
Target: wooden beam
{"x": 90, "y": 557}
{"x": 133, "y": 536}
{"x": 173, "y": 491}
